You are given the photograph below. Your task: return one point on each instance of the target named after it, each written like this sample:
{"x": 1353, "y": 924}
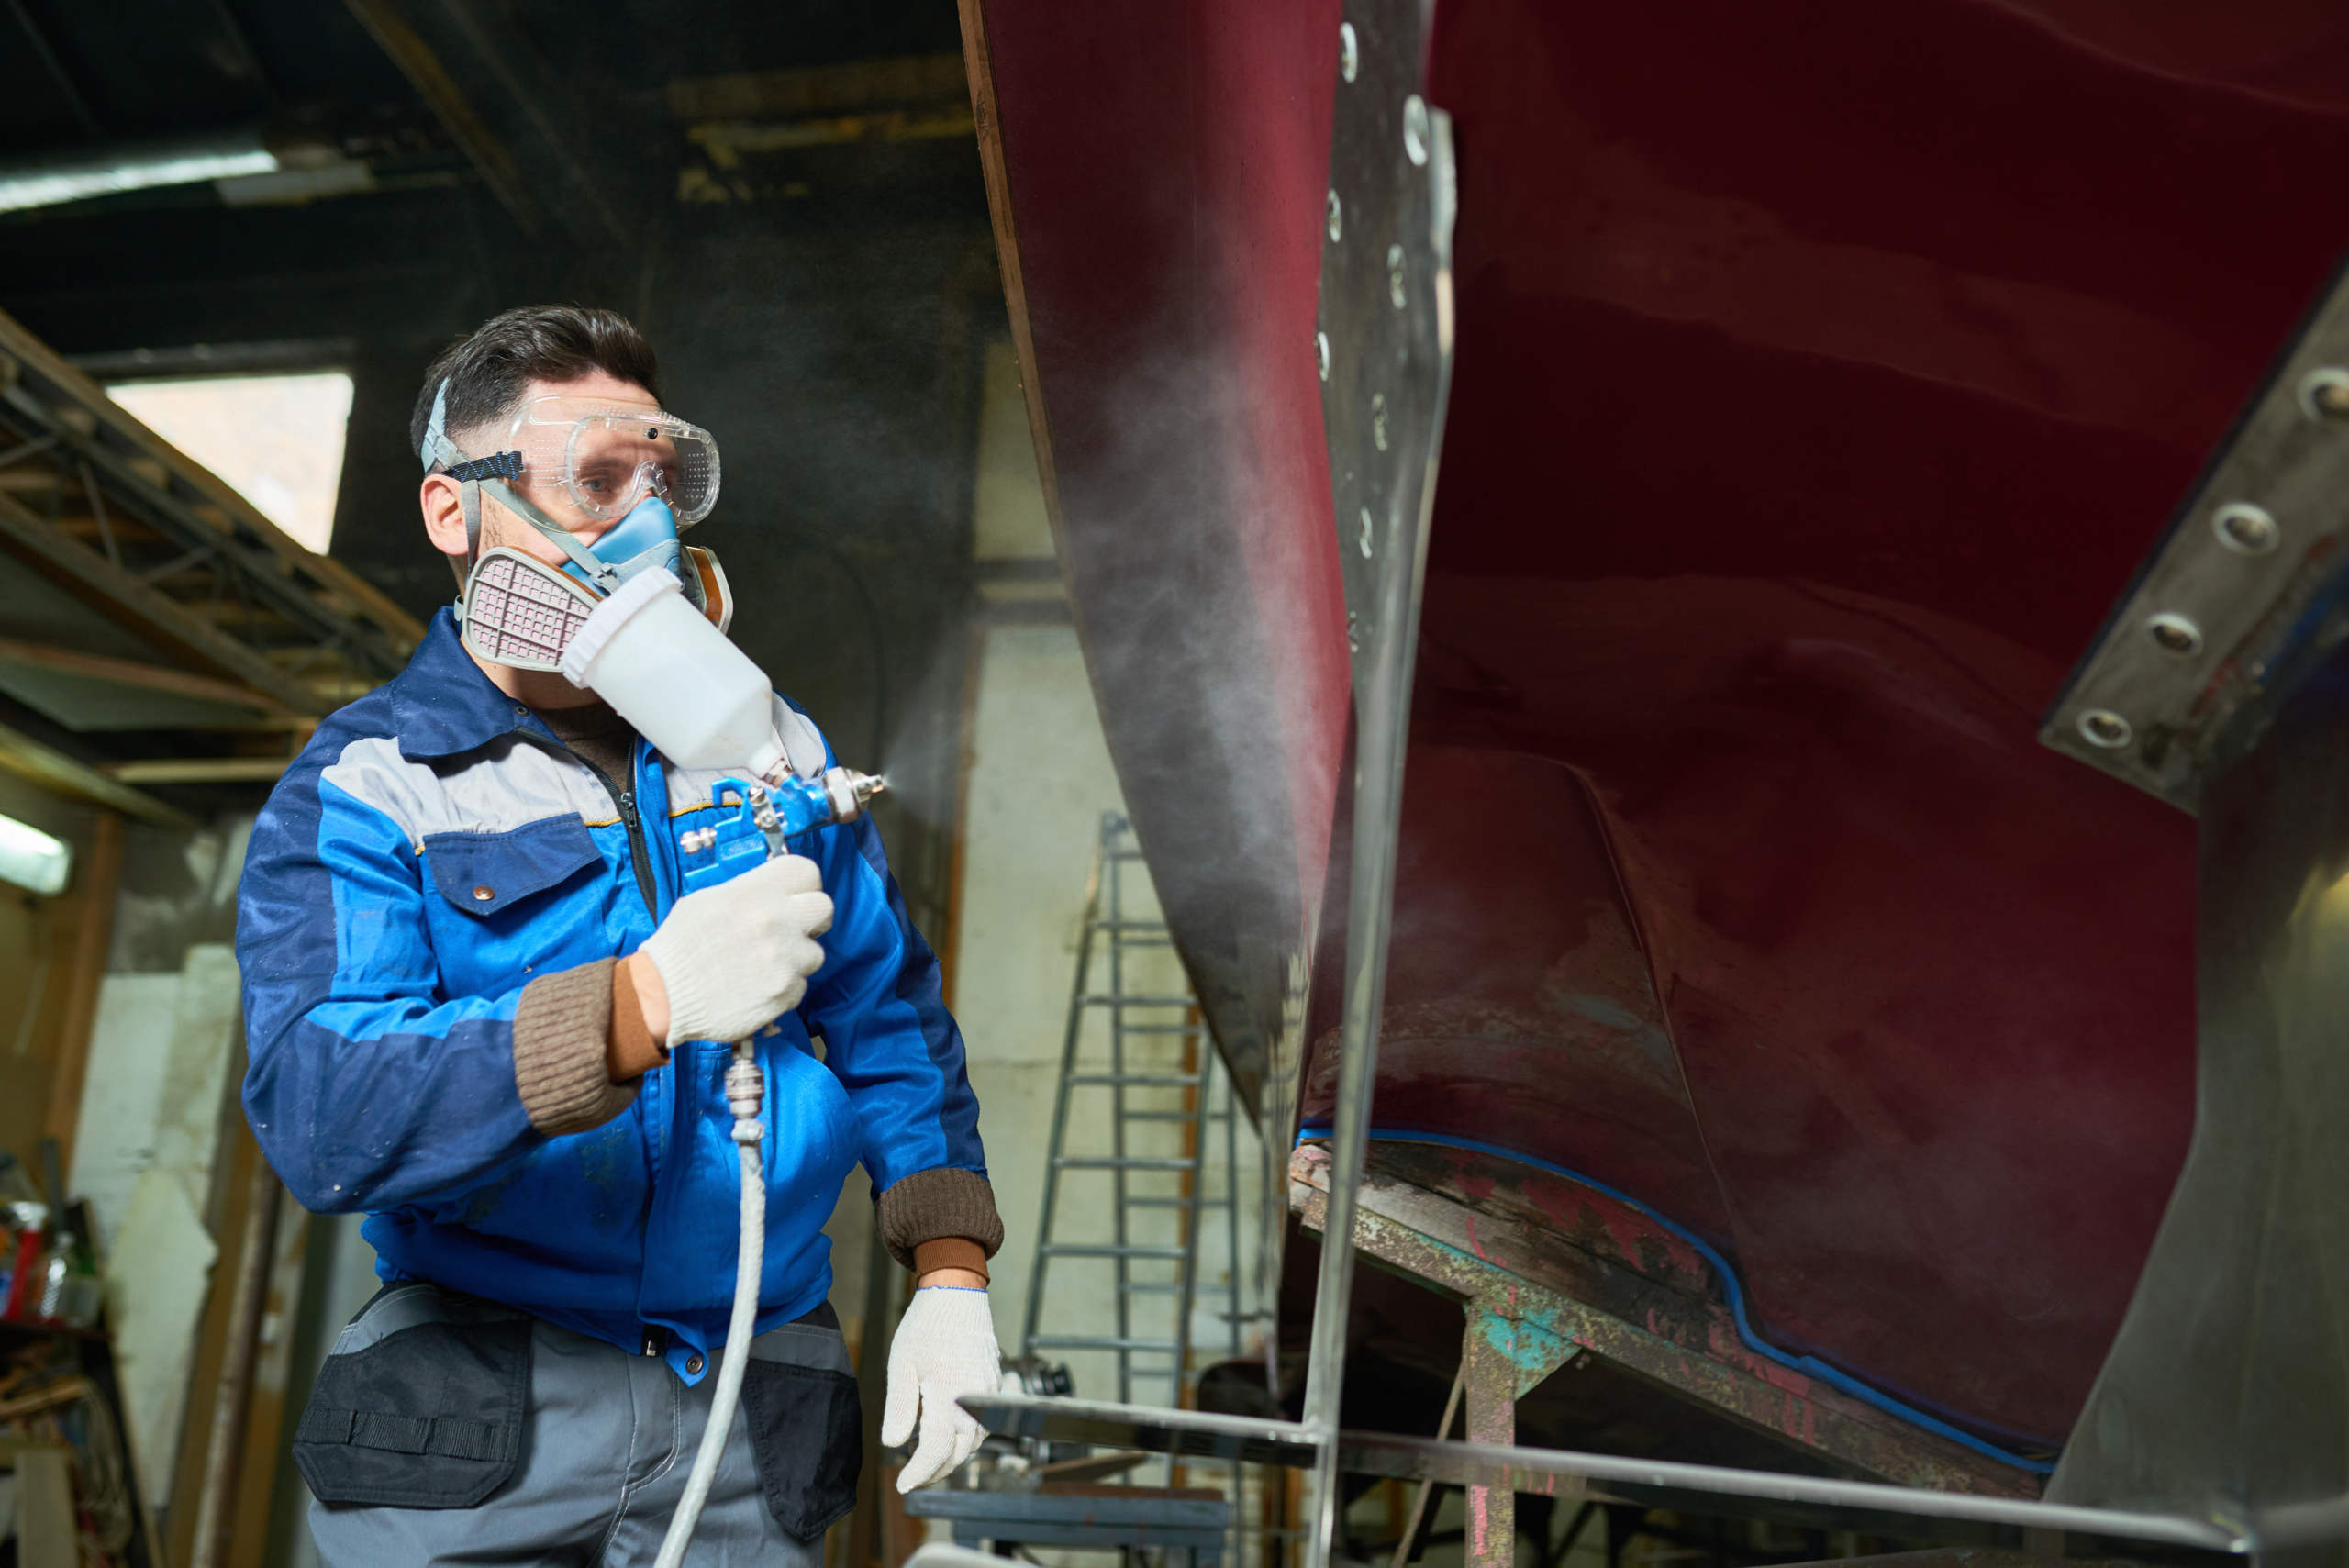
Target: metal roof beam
{"x": 158, "y": 515}
{"x": 150, "y": 468}
{"x": 477, "y": 71}
{"x": 130, "y": 672}
{"x": 201, "y": 769}
{"x": 422, "y": 67}
{"x": 88, "y": 574}
{"x": 241, "y": 44}
{"x": 62, "y": 79}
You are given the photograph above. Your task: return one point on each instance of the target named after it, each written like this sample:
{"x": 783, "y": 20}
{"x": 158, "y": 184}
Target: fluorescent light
{"x": 55, "y": 182}
{"x": 30, "y": 858}
{"x": 292, "y": 188}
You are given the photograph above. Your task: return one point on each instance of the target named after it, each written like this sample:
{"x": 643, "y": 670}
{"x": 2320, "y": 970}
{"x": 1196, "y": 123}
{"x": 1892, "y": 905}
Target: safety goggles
{"x": 595, "y": 461}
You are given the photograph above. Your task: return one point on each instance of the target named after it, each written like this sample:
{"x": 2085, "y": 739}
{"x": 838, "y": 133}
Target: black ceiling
{"x": 143, "y": 70}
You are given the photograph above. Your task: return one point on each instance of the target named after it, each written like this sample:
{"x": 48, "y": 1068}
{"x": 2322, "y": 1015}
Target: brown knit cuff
{"x": 630, "y": 1037}
{"x": 561, "y": 1029}
{"x": 949, "y": 1253}
{"x": 943, "y": 1202}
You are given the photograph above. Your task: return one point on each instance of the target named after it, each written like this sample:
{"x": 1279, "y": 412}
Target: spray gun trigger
{"x": 728, "y": 844}
{"x": 752, "y": 820}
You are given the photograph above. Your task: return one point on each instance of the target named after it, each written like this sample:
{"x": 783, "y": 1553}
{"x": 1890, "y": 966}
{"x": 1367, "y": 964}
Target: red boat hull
{"x": 1823, "y": 372}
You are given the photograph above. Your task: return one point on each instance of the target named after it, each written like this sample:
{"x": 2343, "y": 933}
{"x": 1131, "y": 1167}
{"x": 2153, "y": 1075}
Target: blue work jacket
{"x": 434, "y": 850}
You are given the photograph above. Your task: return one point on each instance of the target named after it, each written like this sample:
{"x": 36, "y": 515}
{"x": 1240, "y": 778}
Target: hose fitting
{"x": 746, "y": 1090}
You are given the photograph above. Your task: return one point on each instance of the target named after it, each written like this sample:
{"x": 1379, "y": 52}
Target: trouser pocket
{"x": 421, "y": 1403}
{"x": 807, "y": 1423}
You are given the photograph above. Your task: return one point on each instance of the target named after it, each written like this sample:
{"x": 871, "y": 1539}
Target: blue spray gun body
{"x": 754, "y": 820}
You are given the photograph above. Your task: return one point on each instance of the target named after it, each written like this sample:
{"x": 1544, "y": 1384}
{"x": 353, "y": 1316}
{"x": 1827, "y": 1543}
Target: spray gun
{"x": 703, "y": 704}
{"x": 698, "y": 698}
{"x": 758, "y": 818}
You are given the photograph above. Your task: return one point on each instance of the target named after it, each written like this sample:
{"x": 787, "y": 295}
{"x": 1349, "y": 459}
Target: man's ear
{"x": 442, "y": 499}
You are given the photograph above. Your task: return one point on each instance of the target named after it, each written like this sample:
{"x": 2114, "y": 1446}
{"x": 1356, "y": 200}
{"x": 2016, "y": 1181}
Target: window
{"x": 275, "y": 440}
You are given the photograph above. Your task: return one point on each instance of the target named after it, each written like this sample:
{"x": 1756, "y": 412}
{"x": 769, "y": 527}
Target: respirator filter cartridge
{"x": 521, "y": 612}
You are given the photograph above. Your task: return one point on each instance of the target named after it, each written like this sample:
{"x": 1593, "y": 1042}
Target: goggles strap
{"x": 439, "y": 450}
{"x": 502, "y": 465}
{"x": 470, "y": 496}
{"x": 471, "y": 474}
{"x": 603, "y": 573}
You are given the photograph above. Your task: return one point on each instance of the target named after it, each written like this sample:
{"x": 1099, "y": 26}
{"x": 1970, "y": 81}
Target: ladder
{"x": 1166, "y": 1098}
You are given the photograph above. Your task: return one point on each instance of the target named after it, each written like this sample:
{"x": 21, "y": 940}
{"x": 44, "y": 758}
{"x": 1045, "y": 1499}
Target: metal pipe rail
{"x": 2044, "y": 1530}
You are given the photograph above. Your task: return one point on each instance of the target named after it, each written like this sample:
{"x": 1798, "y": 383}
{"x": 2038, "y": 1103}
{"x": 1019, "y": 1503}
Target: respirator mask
{"x": 612, "y": 484}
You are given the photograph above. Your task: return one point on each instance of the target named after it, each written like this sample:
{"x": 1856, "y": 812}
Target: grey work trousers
{"x": 592, "y": 1465}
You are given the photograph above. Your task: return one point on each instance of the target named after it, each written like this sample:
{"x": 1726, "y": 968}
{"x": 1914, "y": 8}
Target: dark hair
{"x": 490, "y": 368}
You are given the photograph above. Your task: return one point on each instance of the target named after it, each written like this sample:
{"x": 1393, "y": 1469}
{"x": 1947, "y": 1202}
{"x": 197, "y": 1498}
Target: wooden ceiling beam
{"x": 47, "y": 768}
{"x": 143, "y": 609}
{"x": 131, "y": 672}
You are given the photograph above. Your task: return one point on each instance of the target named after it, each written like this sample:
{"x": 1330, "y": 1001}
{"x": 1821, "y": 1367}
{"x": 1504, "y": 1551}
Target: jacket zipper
{"x": 640, "y": 855}
{"x": 640, "y": 861}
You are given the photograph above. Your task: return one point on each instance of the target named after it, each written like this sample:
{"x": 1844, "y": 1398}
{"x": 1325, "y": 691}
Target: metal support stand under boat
{"x": 1385, "y": 354}
{"x": 2221, "y": 685}
{"x": 1534, "y": 1300}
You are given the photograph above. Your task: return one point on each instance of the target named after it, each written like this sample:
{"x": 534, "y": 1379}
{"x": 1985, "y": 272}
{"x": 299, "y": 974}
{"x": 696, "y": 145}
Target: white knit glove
{"x": 737, "y": 956}
{"x": 945, "y": 1349}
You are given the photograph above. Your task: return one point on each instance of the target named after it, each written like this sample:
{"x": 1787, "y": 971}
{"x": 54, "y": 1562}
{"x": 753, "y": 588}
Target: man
{"x": 477, "y": 993}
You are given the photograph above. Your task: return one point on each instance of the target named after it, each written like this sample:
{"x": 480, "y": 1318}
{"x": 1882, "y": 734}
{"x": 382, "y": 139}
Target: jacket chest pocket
{"x": 487, "y": 874}
{"x": 514, "y": 904}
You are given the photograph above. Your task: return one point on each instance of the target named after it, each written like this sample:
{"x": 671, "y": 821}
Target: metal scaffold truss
{"x": 98, "y": 504}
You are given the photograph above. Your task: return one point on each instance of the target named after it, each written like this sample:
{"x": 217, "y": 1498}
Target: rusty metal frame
{"x": 1534, "y": 1302}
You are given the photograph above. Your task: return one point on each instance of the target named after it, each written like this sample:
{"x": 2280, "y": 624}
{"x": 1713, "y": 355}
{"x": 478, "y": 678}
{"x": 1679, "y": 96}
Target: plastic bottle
{"x": 676, "y": 678}
{"x": 70, "y": 1291}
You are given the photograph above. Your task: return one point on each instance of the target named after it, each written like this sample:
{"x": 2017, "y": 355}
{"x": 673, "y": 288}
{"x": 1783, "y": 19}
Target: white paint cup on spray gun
{"x": 667, "y": 670}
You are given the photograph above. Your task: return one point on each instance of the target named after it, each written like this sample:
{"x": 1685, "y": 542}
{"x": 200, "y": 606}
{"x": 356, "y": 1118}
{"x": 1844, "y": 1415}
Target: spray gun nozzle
{"x": 848, "y": 791}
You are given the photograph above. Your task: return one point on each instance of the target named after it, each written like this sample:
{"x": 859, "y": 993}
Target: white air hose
{"x": 745, "y": 1088}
